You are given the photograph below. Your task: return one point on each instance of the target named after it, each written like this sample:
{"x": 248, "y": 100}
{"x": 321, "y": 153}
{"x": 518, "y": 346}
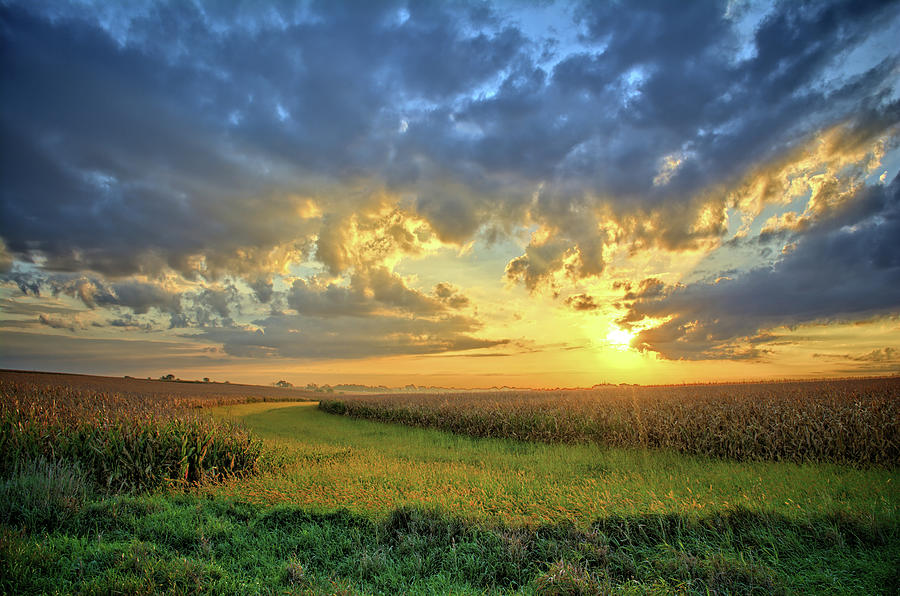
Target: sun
{"x": 618, "y": 338}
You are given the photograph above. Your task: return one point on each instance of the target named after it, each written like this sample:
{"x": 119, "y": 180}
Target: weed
{"x": 293, "y": 573}
{"x": 42, "y": 494}
{"x": 566, "y": 579}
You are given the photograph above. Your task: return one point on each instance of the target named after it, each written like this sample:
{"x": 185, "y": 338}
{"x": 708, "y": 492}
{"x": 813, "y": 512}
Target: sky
{"x": 465, "y": 194}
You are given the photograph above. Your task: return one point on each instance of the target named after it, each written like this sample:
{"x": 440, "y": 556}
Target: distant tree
{"x": 168, "y": 377}
{"x": 206, "y": 379}
{"x": 283, "y": 384}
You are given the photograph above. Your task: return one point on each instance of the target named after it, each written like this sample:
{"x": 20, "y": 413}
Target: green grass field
{"x": 370, "y": 467}
{"x": 357, "y": 507}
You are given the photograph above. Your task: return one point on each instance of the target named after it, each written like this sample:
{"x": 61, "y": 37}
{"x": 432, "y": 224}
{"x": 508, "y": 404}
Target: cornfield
{"x": 127, "y": 435}
{"x": 855, "y": 422}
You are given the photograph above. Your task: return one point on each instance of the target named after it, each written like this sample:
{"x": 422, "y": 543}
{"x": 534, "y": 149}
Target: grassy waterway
{"x": 369, "y": 467}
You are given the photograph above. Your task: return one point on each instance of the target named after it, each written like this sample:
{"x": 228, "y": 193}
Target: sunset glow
{"x": 467, "y": 195}
{"x": 619, "y": 339}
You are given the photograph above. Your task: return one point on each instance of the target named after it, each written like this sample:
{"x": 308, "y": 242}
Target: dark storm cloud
{"x": 177, "y": 141}
{"x": 112, "y": 157}
{"x": 262, "y": 289}
{"x": 692, "y": 93}
{"x": 846, "y": 267}
{"x": 669, "y": 82}
{"x": 185, "y": 129}
{"x": 138, "y": 296}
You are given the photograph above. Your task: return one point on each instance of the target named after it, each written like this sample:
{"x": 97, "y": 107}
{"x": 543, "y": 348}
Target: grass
{"x": 370, "y": 468}
{"x": 43, "y": 494}
{"x": 338, "y": 505}
{"x": 185, "y": 544}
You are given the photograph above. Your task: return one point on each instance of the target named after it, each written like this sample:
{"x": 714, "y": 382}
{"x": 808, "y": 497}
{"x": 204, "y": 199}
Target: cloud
{"x": 298, "y": 336}
{"x": 75, "y": 353}
{"x": 28, "y": 282}
{"x": 450, "y": 295}
{"x": 213, "y": 304}
{"x": 11, "y": 306}
{"x": 582, "y": 302}
{"x": 6, "y": 258}
{"x": 263, "y": 289}
{"x": 332, "y": 315}
{"x": 130, "y": 323}
{"x": 202, "y": 154}
{"x": 647, "y": 288}
{"x": 138, "y": 296}
{"x": 877, "y": 356}
{"x": 882, "y": 355}
{"x": 54, "y": 322}
{"x": 843, "y": 268}
{"x": 190, "y": 136}
{"x": 373, "y": 231}
{"x": 374, "y": 313}
{"x": 544, "y": 258}
{"x": 242, "y": 171}
{"x": 185, "y": 306}
{"x": 668, "y": 93}
{"x": 368, "y": 292}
